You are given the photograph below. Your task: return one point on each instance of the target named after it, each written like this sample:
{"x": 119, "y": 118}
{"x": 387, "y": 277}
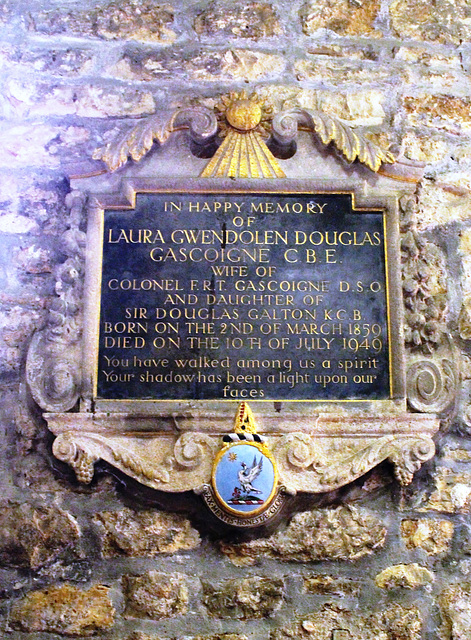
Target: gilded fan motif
{"x": 244, "y": 122}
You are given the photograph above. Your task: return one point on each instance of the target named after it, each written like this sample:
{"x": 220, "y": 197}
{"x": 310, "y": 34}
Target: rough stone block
{"x": 428, "y": 148}
{"x": 339, "y": 71}
{"x": 65, "y": 610}
{"x": 140, "y": 635}
{"x": 244, "y": 599}
{"x": 392, "y": 623}
{"x": 455, "y": 606}
{"x": 429, "y": 58}
{"x": 433, "y": 536}
{"x": 5, "y": 11}
{"x": 313, "y": 535}
{"x": 144, "y": 533}
{"x": 231, "y": 64}
{"x": 32, "y": 99}
{"x": 235, "y": 64}
{"x": 355, "y": 51}
{"x": 362, "y": 107}
{"x": 129, "y": 20}
{"x": 443, "y": 112}
{"x": 406, "y": 576}
{"x": 35, "y": 260}
{"x": 155, "y": 595}
{"x": 441, "y": 22}
{"x": 59, "y": 62}
{"x": 35, "y": 536}
{"x": 452, "y": 493}
{"x": 330, "y": 585}
{"x": 252, "y": 20}
{"x": 28, "y": 146}
{"x": 16, "y": 327}
{"x": 341, "y": 16}
{"x": 440, "y": 206}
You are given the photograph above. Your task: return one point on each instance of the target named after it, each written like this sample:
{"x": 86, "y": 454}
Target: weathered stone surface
{"x": 406, "y": 576}
{"x": 444, "y": 21}
{"x": 253, "y": 20}
{"x": 16, "y": 326}
{"x": 140, "y": 635}
{"x": 393, "y": 623}
{"x": 448, "y": 113}
{"x": 331, "y": 585}
{"x": 221, "y": 636}
{"x": 60, "y": 62}
{"x": 35, "y": 536}
{"x": 23, "y": 146}
{"x": 338, "y": 71}
{"x": 439, "y": 205}
{"x": 87, "y": 101}
{"x": 143, "y": 21}
{"x": 425, "y": 57}
{"x": 39, "y": 145}
{"x": 144, "y": 533}
{"x": 356, "y": 51}
{"x": 35, "y": 260}
{"x": 359, "y": 108}
{"x": 452, "y": 493}
{"x": 457, "y": 455}
{"x": 65, "y": 609}
{"x": 340, "y": 16}
{"x": 464, "y": 319}
{"x": 155, "y": 595}
{"x": 425, "y": 148}
{"x": 231, "y": 64}
{"x": 5, "y": 11}
{"x": 313, "y": 535}
{"x": 434, "y": 71}
{"x": 235, "y": 64}
{"x": 455, "y": 606}
{"x": 244, "y": 599}
{"x": 433, "y": 536}
{"x": 11, "y": 223}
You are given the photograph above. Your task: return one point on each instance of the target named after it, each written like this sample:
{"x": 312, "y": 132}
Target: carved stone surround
{"x": 322, "y": 457}
{"x": 317, "y": 449}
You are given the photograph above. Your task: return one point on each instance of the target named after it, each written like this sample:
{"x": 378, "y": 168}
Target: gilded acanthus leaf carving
{"x": 244, "y": 122}
{"x": 137, "y": 142}
{"x": 353, "y": 144}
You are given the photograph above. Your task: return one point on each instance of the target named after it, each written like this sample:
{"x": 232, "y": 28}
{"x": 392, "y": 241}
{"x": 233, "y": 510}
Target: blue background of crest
{"x": 226, "y": 475}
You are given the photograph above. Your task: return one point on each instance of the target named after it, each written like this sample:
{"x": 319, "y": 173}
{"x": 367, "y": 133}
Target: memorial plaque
{"x": 241, "y": 334}
{"x": 244, "y": 296}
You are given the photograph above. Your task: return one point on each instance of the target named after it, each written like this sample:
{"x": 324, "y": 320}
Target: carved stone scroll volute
{"x": 432, "y": 362}
{"x": 54, "y": 356}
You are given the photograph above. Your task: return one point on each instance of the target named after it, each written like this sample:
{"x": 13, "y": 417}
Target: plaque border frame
{"x": 125, "y": 199}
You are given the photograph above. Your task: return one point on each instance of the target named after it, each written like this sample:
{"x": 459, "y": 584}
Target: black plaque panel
{"x": 243, "y": 296}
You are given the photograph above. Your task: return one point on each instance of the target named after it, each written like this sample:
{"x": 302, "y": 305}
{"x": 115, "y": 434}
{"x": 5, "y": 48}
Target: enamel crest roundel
{"x": 244, "y": 478}
{"x": 244, "y": 489}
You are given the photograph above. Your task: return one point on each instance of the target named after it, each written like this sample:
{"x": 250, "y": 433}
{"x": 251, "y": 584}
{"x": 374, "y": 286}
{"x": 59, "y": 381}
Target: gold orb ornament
{"x": 244, "y": 114}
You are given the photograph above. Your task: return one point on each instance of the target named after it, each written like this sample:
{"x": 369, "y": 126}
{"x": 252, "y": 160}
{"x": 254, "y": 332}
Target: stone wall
{"x": 371, "y": 562}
